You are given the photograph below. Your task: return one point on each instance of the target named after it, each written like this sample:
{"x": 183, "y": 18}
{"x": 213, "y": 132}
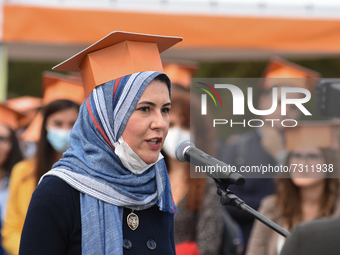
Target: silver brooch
{"x": 132, "y": 221}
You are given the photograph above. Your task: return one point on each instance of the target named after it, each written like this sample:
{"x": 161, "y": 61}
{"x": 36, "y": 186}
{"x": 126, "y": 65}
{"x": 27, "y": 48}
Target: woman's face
{"x": 307, "y": 161}
{"x": 63, "y": 119}
{"x": 5, "y": 144}
{"x": 148, "y": 125}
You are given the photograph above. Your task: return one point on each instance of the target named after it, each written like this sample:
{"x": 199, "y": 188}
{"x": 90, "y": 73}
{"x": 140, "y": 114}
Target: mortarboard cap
{"x": 32, "y": 132}
{"x": 116, "y": 55}
{"x": 26, "y": 105}
{"x": 280, "y": 68}
{"x": 58, "y": 86}
{"x": 180, "y": 72}
{"x": 10, "y": 117}
{"x": 321, "y": 134}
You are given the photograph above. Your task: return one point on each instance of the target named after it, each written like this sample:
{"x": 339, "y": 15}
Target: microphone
{"x": 187, "y": 152}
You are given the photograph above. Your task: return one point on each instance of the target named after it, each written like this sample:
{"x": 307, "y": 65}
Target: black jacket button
{"x": 151, "y": 244}
{"x": 127, "y": 244}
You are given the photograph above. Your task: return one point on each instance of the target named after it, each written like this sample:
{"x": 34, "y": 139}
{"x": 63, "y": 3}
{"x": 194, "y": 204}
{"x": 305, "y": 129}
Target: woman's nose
{"x": 159, "y": 122}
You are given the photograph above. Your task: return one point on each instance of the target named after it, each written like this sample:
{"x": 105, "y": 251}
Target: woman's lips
{"x": 155, "y": 143}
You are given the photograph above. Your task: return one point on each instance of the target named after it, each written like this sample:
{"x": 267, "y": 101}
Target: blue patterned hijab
{"x": 92, "y": 167}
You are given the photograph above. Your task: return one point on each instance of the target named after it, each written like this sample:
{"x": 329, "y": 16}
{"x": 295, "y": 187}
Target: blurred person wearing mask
{"x": 51, "y": 130}
{"x": 10, "y": 153}
{"x": 264, "y": 145}
{"x": 198, "y": 228}
{"x": 309, "y": 192}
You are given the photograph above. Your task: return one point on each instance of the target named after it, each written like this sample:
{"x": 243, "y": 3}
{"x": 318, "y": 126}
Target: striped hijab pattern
{"x": 92, "y": 167}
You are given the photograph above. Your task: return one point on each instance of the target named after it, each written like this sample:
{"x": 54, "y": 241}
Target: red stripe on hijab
{"x": 97, "y": 124}
{"x": 115, "y": 87}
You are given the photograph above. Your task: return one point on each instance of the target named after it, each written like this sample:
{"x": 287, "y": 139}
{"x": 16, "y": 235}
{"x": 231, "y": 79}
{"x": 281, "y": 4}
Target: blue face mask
{"x": 59, "y": 138}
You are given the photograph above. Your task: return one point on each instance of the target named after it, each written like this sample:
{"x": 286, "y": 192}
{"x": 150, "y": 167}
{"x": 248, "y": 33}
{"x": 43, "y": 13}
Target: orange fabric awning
{"x": 74, "y": 26}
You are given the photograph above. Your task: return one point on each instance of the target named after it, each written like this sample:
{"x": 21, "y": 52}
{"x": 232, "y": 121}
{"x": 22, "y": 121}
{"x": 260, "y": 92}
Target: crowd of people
{"x": 94, "y": 170}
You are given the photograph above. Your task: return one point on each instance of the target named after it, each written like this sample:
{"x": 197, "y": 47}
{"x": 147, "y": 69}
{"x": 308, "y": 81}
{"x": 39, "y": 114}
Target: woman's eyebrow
{"x": 147, "y": 102}
{"x": 153, "y": 104}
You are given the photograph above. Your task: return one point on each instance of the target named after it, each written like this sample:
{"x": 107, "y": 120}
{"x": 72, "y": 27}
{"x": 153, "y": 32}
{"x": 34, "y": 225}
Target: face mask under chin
{"x": 130, "y": 159}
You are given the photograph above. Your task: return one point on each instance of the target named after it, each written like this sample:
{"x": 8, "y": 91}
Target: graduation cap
{"x": 32, "y": 132}
{"x": 55, "y": 87}
{"x": 59, "y": 86}
{"x": 10, "y": 117}
{"x": 116, "y": 55}
{"x": 321, "y": 134}
{"x": 26, "y": 105}
{"x": 282, "y": 72}
{"x": 180, "y": 72}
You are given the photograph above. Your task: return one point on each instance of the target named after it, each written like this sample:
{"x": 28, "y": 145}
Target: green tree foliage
{"x": 25, "y": 78}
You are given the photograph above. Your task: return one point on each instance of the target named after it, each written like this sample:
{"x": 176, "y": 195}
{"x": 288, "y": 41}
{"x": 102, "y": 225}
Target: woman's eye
{"x": 166, "y": 110}
{"x": 143, "y": 109}
{"x": 57, "y": 123}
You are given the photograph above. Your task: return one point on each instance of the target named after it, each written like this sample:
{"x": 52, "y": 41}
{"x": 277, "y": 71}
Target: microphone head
{"x": 181, "y": 148}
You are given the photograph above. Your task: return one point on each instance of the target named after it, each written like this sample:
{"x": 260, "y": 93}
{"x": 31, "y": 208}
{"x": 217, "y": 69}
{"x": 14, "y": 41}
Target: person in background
{"x": 110, "y": 193}
{"x": 264, "y": 145}
{"x": 316, "y": 237}
{"x": 58, "y": 117}
{"x": 198, "y": 221}
{"x": 28, "y": 106}
{"x": 10, "y": 153}
{"x": 309, "y": 192}
{"x": 180, "y": 73}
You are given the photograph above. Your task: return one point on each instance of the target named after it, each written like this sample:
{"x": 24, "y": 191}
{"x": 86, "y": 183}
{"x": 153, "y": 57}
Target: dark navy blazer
{"x": 53, "y": 224}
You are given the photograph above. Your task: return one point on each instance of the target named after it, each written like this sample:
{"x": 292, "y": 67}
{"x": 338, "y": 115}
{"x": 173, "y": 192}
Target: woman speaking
{"x": 110, "y": 193}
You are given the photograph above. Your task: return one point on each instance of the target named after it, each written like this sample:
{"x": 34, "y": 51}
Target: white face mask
{"x": 58, "y": 138}
{"x": 130, "y": 159}
{"x": 174, "y": 137}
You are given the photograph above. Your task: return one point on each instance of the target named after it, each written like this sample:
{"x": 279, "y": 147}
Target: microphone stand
{"x": 186, "y": 151}
{"x": 229, "y": 198}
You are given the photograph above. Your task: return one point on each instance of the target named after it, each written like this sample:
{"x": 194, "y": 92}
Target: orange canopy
{"x": 58, "y": 26}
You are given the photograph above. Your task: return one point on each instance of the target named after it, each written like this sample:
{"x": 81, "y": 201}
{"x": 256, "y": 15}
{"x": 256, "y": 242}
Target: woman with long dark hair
{"x": 10, "y": 154}
{"x": 58, "y": 119}
{"x": 308, "y": 191}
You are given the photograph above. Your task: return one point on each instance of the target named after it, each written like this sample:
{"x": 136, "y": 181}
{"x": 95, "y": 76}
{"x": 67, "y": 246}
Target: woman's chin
{"x": 150, "y": 160}
{"x": 306, "y": 182}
